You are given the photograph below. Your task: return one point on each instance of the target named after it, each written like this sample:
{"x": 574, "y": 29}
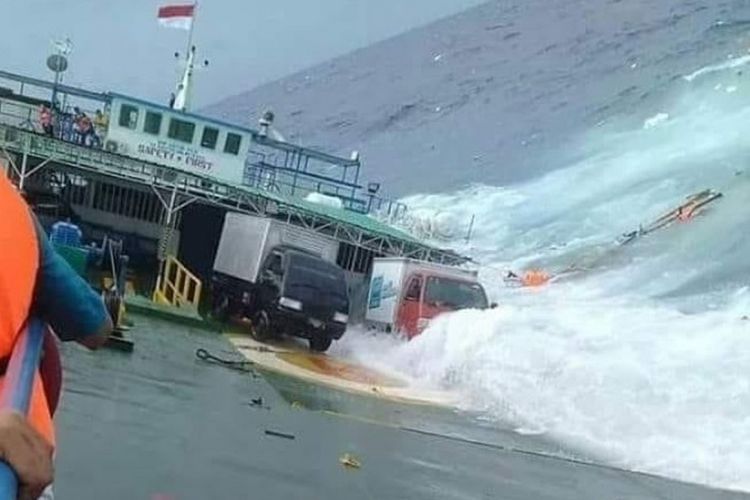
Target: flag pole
{"x": 181, "y": 97}
{"x": 190, "y": 33}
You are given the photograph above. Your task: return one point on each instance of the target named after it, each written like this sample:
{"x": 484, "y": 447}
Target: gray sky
{"x": 118, "y": 44}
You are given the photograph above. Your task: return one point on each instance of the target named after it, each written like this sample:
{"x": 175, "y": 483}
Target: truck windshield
{"x": 306, "y": 272}
{"x": 454, "y": 294}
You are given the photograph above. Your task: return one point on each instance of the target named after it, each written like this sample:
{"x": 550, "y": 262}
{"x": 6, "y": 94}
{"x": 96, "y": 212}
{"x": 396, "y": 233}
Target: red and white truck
{"x": 405, "y": 295}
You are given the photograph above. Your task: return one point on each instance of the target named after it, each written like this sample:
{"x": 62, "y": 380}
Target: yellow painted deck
{"x": 292, "y": 359}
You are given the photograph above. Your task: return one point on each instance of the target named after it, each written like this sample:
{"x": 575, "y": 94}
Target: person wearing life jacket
{"x": 35, "y": 280}
{"x": 535, "y": 277}
{"x": 45, "y": 119}
{"x": 87, "y": 129}
{"x": 686, "y": 212}
{"x": 531, "y": 278}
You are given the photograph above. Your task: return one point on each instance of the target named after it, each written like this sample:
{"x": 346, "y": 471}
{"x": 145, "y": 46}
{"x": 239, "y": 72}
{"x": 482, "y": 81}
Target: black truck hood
{"x": 322, "y": 292}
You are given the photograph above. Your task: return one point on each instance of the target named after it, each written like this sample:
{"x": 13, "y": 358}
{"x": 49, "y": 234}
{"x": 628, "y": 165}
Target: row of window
{"x": 179, "y": 130}
{"x": 120, "y": 200}
{"x": 127, "y": 202}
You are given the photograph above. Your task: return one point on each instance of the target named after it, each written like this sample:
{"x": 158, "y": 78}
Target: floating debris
{"x": 279, "y": 434}
{"x": 297, "y": 405}
{"x": 348, "y": 460}
{"x": 258, "y": 403}
{"x": 258, "y": 348}
{"x": 655, "y": 120}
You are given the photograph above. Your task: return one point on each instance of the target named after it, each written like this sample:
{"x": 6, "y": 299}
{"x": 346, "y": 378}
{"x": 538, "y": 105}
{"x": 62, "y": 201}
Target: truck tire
{"x": 320, "y": 343}
{"x": 261, "y": 330}
{"x": 220, "y": 309}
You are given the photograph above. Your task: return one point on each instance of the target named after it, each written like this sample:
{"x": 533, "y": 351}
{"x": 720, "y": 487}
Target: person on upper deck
{"x": 45, "y": 120}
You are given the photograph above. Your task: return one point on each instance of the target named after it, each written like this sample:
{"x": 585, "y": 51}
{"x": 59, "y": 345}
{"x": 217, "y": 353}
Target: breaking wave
{"x": 644, "y": 359}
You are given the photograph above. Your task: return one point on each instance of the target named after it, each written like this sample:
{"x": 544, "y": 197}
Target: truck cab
{"x": 302, "y": 295}
{"x": 427, "y": 295}
{"x": 406, "y": 294}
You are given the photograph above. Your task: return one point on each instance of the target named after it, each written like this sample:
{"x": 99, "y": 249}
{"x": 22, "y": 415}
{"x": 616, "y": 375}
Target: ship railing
{"x": 190, "y": 186}
{"x": 23, "y": 111}
{"x": 19, "y": 115}
{"x": 271, "y": 181}
{"x": 177, "y": 286}
{"x": 387, "y": 209}
{"x": 261, "y": 174}
{"x": 104, "y": 161}
{"x": 264, "y": 171}
{"x": 294, "y": 173}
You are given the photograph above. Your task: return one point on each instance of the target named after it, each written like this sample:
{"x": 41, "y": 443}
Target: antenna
{"x": 58, "y": 63}
{"x": 63, "y": 47}
{"x": 184, "y": 90}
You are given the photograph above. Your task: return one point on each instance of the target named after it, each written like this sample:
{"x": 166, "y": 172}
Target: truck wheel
{"x": 220, "y": 310}
{"x": 261, "y": 330}
{"x": 320, "y": 343}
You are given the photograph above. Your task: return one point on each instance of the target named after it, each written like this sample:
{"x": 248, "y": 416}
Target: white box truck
{"x": 283, "y": 278}
{"x": 406, "y": 294}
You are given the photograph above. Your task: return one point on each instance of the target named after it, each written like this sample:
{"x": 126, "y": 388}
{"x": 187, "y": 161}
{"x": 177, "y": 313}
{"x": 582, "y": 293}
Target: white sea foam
{"x": 643, "y": 361}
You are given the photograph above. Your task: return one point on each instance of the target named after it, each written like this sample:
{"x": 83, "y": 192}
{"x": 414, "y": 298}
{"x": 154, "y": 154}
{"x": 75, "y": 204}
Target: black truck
{"x": 284, "y": 281}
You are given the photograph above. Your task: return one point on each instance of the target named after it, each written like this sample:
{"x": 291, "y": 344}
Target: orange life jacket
{"x": 19, "y": 261}
{"x": 686, "y": 212}
{"x": 84, "y": 123}
{"x": 535, "y": 277}
{"x": 45, "y": 116}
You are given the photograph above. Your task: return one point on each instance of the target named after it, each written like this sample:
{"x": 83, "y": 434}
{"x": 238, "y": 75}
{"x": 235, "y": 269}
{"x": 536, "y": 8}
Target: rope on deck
{"x": 239, "y": 365}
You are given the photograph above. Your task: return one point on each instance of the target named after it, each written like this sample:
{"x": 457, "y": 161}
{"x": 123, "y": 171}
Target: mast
{"x": 185, "y": 85}
{"x": 190, "y": 32}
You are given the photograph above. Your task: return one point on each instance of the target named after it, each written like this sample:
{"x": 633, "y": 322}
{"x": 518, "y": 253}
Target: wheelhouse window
{"x": 152, "y": 124}
{"x": 181, "y": 130}
{"x": 209, "y": 137}
{"x": 232, "y": 144}
{"x": 128, "y": 116}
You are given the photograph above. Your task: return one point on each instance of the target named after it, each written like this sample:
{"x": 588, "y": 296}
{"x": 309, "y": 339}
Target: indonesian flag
{"x": 176, "y": 16}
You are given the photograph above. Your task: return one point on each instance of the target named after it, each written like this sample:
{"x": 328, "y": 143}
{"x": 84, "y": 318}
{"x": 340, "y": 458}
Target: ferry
{"x": 162, "y": 180}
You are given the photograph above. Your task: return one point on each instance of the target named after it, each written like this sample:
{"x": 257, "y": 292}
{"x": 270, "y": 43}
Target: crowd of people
{"x": 76, "y": 126}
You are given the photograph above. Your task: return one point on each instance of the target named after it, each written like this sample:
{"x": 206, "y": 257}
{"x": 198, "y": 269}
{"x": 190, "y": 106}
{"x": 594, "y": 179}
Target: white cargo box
{"x": 246, "y": 240}
{"x": 388, "y": 281}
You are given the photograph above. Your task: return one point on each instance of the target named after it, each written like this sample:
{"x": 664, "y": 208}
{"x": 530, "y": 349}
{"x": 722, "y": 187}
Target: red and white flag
{"x": 176, "y": 16}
